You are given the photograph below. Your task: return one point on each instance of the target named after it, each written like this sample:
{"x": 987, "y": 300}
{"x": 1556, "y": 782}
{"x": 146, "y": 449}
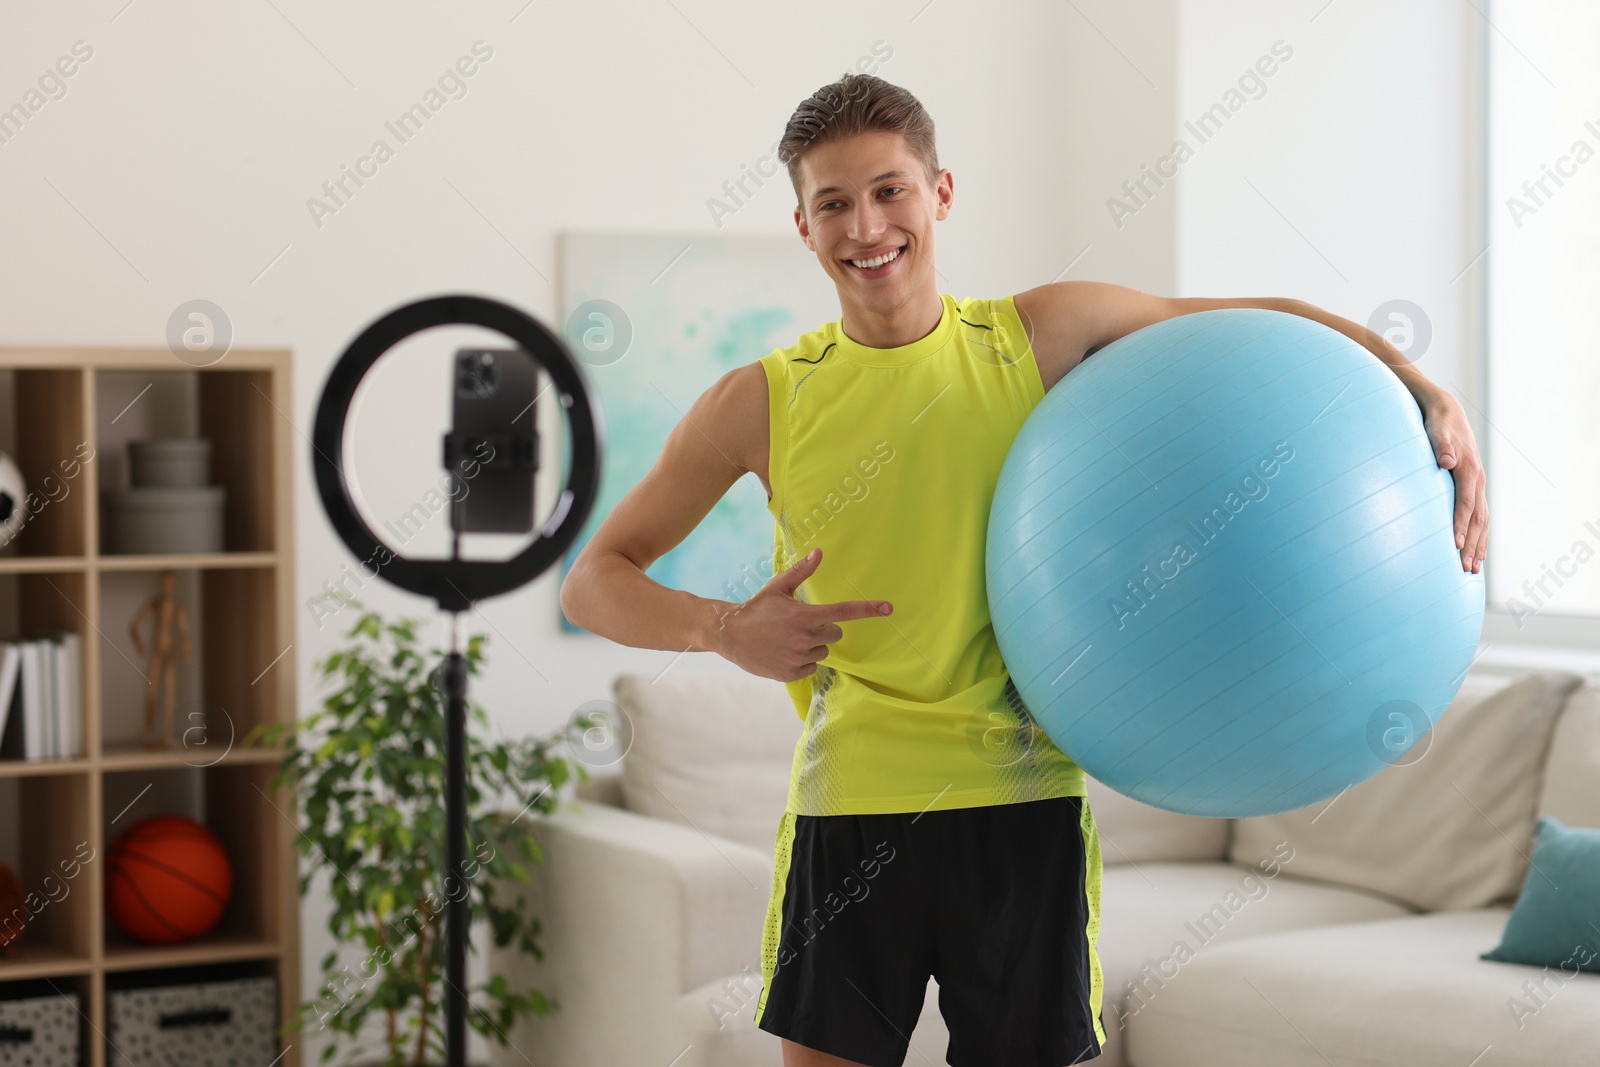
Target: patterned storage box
{"x": 215, "y": 1024}
{"x": 40, "y": 1031}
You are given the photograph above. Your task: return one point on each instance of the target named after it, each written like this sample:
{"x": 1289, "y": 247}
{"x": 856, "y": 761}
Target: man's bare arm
{"x": 1067, "y": 322}
{"x": 606, "y": 591}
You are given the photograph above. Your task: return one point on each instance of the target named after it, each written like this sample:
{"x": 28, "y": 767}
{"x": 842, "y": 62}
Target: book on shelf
{"x": 41, "y": 698}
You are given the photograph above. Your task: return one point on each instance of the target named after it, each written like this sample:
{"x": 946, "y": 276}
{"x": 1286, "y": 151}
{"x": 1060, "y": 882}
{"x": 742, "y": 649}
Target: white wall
{"x": 179, "y": 164}
{"x": 1349, "y": 182}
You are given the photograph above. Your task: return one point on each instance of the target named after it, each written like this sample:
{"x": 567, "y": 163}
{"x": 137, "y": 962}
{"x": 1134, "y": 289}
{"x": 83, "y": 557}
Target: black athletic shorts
{"x": 1001, "y": 904}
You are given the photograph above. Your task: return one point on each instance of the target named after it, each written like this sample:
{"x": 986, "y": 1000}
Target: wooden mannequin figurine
{"x": 162, "y": 673}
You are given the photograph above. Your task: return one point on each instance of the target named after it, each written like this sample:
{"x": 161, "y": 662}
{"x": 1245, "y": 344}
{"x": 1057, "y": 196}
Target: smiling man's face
{"x": 867, "y": 199}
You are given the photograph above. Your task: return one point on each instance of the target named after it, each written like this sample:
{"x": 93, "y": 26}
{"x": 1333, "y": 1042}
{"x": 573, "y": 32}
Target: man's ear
{"x": 804, "y": 227}
{"x": 945, "y": 190}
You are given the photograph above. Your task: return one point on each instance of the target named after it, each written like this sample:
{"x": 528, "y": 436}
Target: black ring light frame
{"x": 457, "y": 583}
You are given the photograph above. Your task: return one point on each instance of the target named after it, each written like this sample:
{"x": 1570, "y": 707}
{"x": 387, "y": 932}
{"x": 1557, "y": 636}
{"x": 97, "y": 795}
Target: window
{"x": 1543, "y": 315}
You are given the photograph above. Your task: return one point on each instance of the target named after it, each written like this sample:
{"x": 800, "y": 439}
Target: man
{"x": 908, "y": 847}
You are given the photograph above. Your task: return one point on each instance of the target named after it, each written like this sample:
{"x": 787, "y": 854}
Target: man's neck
{"x": 911, "y": 321}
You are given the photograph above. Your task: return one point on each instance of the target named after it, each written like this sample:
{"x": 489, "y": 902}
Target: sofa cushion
{"x": 1154, "y": 915}
{"x": 712, "y": 751}
{"x": 1407, "y": 992}
{"x": 1132, "y": 831}
{"x": 1450, "y": 825}
{"x": 1570, "y": 793}
{"x": 1554, "y": 923}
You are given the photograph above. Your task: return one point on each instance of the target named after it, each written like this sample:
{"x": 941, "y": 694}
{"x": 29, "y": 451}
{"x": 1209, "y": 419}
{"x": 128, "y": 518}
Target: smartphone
{"x": 492, "y": 449}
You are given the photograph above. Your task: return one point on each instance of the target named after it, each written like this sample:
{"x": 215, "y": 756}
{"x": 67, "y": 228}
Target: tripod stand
{"x": 456, "y": 584}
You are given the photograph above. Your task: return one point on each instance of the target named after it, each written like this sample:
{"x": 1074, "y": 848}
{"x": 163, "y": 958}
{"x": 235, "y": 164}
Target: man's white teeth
{"x": 874, "y": 264}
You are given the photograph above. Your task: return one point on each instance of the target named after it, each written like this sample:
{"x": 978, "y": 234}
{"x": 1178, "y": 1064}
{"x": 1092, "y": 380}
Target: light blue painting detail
{"x": 724, "y": 303}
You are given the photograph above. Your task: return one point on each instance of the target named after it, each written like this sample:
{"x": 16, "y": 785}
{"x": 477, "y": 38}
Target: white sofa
{"x": 1347, "y": 933}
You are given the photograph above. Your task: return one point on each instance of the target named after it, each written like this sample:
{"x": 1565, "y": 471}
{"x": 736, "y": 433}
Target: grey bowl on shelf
{"x": 169, "y": 462}
{"x": 146, "y": 520}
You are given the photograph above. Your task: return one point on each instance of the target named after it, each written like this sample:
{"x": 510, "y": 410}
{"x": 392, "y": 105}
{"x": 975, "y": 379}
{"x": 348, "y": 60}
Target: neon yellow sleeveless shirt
{"x": 887, "y": 458}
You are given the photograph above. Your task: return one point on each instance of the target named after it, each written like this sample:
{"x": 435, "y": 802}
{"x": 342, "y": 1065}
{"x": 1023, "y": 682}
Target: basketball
{"x": 168, "y": 879}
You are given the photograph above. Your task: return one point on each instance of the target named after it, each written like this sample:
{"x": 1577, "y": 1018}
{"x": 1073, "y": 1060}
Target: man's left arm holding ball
{"x": 1067, "y": 322}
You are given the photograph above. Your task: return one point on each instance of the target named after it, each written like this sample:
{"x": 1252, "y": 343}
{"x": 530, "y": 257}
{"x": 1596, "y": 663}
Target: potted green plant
{"x": 368, "y": 770}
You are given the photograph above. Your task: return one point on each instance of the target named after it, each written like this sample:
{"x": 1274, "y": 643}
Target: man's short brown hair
{"x": 855, "y": 104}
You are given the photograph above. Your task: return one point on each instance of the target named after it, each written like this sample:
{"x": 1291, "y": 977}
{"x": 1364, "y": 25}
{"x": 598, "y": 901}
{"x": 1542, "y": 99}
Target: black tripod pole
{"x": 458, "y": 903}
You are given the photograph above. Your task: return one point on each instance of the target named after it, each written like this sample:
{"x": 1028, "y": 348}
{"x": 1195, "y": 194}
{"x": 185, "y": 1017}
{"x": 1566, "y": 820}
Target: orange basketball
{"x": 167, "y": 879}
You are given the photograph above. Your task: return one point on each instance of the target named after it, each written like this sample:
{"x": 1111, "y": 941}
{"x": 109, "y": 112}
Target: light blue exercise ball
{"x": 1221, "y": 566}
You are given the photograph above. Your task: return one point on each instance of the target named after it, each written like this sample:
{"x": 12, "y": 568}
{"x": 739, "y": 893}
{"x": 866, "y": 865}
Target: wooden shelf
{"x": 209, "y": 949}
{"x": 21, "y": 768}
{"x": 99, "y": 357}
{"x": 41, "y": 564}
{"x": 208, "y": 561}
{"x": 127, "y": 757}
{"x": 42, "y": 962}
{"x": 73, "y": 411}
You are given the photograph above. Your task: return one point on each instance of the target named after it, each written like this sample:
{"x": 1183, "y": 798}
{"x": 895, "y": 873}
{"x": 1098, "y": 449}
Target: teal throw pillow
{"x": 1556, "y": 920}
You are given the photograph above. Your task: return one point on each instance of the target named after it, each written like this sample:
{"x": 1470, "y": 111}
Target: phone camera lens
{"x": 477, "y": 375}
